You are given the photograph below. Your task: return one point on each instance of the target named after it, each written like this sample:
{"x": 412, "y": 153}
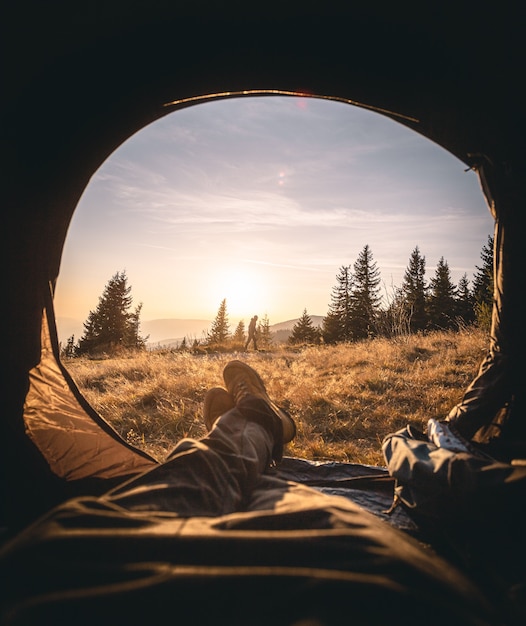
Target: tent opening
{"x": 266, "y": 204}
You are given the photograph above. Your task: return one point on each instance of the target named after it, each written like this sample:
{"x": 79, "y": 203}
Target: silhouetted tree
{"x": 365, "y": 295}
{"x": 331, "y": 330}
{"x": 219, "y": 333}
{"x": 482, "y": 289}
{"x": 239, "y": 335}
{"x": 112, "y": 325}
{"x": 183, "y": 346}
{"x": 304, "y": 330}
{"x": 337, "y": 324}
{"x": 414, "y": 291}
{"x": 264, "y": 334}
{"x": 483, "y": 278}
{"x": 132, "y": 330}
{"x": 464, "y": 306}
{"x": 442, "y": 298}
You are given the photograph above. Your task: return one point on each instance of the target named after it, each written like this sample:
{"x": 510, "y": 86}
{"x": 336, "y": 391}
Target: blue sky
{"x": 260, "y": 200}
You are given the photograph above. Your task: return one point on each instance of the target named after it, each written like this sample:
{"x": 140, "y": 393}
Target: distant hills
{"x": 67, "y": 326}
{"x": 170, "y": 331}
{"x": 167, "y": 332}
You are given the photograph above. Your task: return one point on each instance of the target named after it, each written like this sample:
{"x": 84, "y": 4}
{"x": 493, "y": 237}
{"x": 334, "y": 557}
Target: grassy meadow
{"x": 345, "y": 399}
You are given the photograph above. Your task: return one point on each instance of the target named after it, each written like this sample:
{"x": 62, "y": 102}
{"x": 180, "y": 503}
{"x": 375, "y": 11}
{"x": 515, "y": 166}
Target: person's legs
{"x": 215, "y": 475}
{"x": 206, "y": 477}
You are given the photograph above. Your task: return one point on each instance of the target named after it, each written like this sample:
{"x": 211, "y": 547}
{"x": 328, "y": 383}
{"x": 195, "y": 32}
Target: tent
{"x": 77, "y": 82}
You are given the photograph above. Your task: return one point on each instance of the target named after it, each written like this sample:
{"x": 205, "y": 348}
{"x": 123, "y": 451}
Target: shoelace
{"x": 241, "y": 390}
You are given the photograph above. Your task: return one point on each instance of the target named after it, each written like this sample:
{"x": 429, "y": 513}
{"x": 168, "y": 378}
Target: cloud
{"x": 296, "y": 190}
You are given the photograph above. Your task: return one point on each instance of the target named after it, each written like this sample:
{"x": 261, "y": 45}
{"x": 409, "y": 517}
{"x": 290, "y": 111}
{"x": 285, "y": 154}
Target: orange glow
{"x": 244, "y": 288}
{"x": 281, "y": 92}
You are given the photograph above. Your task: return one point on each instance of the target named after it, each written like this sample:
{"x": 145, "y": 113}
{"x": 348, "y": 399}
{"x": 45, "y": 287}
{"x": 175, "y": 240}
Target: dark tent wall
{"x": 79, "y": 79}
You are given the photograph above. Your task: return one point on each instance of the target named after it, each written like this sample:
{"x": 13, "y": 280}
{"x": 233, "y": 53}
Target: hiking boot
{"x": 217, "y": 402}
{"x": 241, "y": 381}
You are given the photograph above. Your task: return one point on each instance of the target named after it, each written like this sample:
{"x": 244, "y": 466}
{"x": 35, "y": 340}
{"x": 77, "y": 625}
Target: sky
{"x": 260, "y": 201}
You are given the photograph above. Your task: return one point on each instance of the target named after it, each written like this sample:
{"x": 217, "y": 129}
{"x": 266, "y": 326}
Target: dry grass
{"x": 344, "y": 398}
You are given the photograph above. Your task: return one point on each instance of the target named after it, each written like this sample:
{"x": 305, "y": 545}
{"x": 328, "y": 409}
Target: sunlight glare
{"x": 245, "y": 290}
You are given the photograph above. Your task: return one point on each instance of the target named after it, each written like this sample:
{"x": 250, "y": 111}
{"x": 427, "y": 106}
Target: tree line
{"x": 356, "y": 310}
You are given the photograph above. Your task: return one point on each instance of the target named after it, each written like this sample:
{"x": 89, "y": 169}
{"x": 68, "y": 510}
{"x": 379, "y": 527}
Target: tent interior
{"x": 77, "y": 84}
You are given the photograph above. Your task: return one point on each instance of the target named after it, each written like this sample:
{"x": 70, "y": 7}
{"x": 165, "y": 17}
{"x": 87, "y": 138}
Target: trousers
{"x": 229, "y": 471}
{"x": 219, "y": 474}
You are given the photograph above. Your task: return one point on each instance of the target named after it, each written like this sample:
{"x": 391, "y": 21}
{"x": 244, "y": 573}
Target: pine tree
{"x": 239, "y": 336}
{"x": 263, "y": 332}
{"x": 442, "y": 298}
{"x": 183, "y": 346}
{"x": 366, "y": 295}
{"x": 464, "y": 306}
{"x": 483, "y": 277}
{"x": 337, "y": 324}
{"x": 219, "y": 333}
{"x": 112, "y": 326}
{"x": 414, "y": 291}
{"x": 304, "y": 330}
{"x": 132, "y": 337}
{"x": 482, "y": 289}
{"x": 331, "y": 330}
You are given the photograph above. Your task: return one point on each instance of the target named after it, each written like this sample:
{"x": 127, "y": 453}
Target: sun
{"x": 245, "y": 291}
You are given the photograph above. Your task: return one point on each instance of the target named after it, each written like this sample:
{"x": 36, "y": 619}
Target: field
{"x": 345, "y": 399}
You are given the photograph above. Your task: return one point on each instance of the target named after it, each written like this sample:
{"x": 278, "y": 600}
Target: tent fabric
{"x": 428, "y": 82}
{"x": 492, "y": 409}
{"x": 92, "y": 561}
{"x": 74, "y": 439}
{"x": 95, "y": 79}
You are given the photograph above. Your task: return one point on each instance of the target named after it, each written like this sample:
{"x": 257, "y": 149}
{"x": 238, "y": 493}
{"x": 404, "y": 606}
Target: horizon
{"x": 67, "y": 327}
{"x": 260, "y": 201}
